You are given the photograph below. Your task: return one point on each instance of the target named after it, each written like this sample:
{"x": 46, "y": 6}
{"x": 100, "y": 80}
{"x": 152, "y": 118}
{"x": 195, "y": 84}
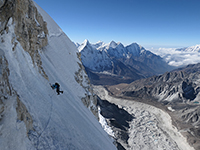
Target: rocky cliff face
{"x": 30, "y": 28}
{"x": 90, "y": 99}
{"x": 5, "y": 86}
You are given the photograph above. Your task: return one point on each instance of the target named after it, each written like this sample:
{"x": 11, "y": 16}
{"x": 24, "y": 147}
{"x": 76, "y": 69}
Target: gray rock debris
{"x": 2, "y": 3}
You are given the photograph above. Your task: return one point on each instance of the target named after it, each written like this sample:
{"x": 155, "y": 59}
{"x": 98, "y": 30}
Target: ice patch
{"x": 104, "y": 124}
{"x": 170, "y": 108}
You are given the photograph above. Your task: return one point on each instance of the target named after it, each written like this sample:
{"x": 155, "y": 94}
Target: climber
{"x": 57, "y": 87}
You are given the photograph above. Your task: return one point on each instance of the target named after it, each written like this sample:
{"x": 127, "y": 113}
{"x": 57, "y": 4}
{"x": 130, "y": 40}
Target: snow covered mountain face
{"x": 117, "y": 63}
{"x": 35, "y": 52}
{"x": 176, "y": 92}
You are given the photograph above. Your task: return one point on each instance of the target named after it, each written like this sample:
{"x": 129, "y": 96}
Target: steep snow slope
{"x": 57, "y": 122}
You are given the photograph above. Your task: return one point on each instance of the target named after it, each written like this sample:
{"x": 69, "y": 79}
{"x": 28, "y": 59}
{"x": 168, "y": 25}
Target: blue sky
{"x": 150, "y": 23}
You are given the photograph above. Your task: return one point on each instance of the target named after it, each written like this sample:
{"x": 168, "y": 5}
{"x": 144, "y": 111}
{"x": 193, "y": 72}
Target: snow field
{"x": 104, "y": 124}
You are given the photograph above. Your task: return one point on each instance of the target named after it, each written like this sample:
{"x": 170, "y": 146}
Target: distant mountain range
{"x": 195, "y": 48}
{"x": 115, "y": 63}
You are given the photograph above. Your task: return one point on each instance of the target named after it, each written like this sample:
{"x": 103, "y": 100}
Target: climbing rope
{"x": 48, "y": 121}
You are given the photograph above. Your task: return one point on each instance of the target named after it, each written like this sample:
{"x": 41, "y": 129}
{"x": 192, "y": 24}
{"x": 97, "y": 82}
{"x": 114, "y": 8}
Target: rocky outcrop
{"x": 90, "y": 100}
{"x": 30, "y": 28}
{"x": 5, "y": 88}
{"x": 118, "y": 119}
{"x": 31, "y": 31}
{"x": 24, "y": 115}
{"x": 7, "y": 93}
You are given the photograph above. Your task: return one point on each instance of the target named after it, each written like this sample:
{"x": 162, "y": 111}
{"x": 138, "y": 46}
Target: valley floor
{"x": 150, "y": 129}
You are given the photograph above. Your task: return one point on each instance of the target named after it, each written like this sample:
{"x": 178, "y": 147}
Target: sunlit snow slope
{"x": 59, "y": 122}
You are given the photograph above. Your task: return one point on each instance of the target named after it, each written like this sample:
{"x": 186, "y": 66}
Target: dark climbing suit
{"x": 57, "y": 87}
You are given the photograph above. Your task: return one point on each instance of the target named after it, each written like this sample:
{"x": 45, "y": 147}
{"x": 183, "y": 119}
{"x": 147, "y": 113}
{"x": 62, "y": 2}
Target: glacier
{"x": 151, "y": 127}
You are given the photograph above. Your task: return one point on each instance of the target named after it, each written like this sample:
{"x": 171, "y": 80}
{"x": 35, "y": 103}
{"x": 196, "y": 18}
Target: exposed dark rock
{"x": 30, "y": 28}
{"x": 117, "y": 118}
{"x": 119, "y": 146}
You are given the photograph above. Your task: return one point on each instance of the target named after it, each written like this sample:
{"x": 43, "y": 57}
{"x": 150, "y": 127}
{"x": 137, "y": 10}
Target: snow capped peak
{"x": 134, "y": 45}
{"x": 120, "y": 45}
{"x": 134, "y": 49}
{"x": 112, "y": 44}
{"x": 98, "y": 45}
{"x": 83, "y": 45}
{"x": 117, "y": 50}
{"x": 99, "y": 42}
{"x": 195, "y": 48}
{"x": 86, "y": 42}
